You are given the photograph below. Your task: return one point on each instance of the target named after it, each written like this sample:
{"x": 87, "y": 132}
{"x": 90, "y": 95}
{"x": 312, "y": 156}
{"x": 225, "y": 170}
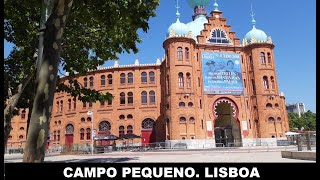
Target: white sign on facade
{"x": 209, "y": 125}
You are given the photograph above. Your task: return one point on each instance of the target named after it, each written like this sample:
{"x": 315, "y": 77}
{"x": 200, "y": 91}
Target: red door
{"x": 148, "y": 136}
{"x": 104, "y": 142}
{"x": 69, "y": 140}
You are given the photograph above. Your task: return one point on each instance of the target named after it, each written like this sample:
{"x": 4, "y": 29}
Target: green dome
{"x": 195, "y": 3}
{"x": 178, "y": 28}
{"x": 258, "y": 34}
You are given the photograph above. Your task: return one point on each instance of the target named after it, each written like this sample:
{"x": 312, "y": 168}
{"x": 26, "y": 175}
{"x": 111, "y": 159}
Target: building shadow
{"x": 96, "y": 160}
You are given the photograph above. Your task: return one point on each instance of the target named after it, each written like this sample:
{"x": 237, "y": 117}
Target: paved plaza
{"x": 166, "y": 156}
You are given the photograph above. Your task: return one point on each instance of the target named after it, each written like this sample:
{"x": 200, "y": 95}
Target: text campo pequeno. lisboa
{"x": 160, "y": 172}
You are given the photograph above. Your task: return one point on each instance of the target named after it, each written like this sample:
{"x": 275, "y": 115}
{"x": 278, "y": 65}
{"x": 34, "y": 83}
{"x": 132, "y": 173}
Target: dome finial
{"x": 215, "y": 5}
{"x": 177, "y": 14}
{"x": 253, "y": 21}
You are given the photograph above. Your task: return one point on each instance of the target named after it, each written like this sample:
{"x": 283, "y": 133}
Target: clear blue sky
{"x": 290, "y": 23}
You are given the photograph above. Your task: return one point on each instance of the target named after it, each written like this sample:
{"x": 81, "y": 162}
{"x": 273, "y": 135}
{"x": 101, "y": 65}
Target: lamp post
{"x": 90, "y": 113}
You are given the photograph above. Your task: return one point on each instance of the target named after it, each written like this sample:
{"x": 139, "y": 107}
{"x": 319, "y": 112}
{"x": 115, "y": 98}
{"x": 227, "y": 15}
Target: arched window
{"x": 188, "y": 80}
{"x": 88, "y": 131}
{"x": 168, "y": 86}
{"x": 144, "y": 97}
{"x": 61, "y": 106}
{"x": 121, "y": 131}
{"x": 122, "y": 78}
{"x": 81, "y": 134}
{"x": 180, "y": 80}
{"x": 269, "y": 58}
{"x": 55, "y": 122}
{"x": 130, "y": 78}
{"x": 198, "y": 82}
{"x": 21, "y": 128}
{"x": 276, "y": 105}
{"x": 182, "y": 104}
{"x": 271, "y": 120}
{"x": 69, "y": 104}
{"x": 269, "y": 105}
{"x": 279, "y": 119}
{"x": 152, "y": 97}
{"x": 265, "y": 82}
{"x": 59, "y": 122}
{"x": 129, "y": 116}
{"x": 58, "y": 135}
{"x": 179, "y": 53}
{"x": 192, "y": 120}
{"x": 109, "y": 102}
{"x": 130, "y": 98}
{"x": 83, "y": 120}
{"x": 272, "y": 83}
{"x": 58, "y": 106}
{"x": 10, "y": 137}
{"x": 84, "y": 105}
{"x": 110, "y": 79}
{"x": 129, "y": 129}
{"x": 143, "y": 77}
{"x": 102, "y": 103}
{"x": 91, "y": 82}
{"x": 85, "y": 82}
{"x": 74, "y": 103}
{"x": 103, "y": 80}
{"x": 90, "y": 103}
{"x": 54, "y": 135}
{"x": 147, "y": 124}
{"x": 262, "y": 58}
{"x": 122, "y": 98}
{"x": 187, "y": 53}
{"x": 182, "y": 120}
{"x": 23, "y": 114}
{"x": 122, "y": 117}
{"x": 190, "y": 104}
{"x": 21, "y": 137}
{"x": 88, "y": 119}
{"x": 104, "y": 126}
{"x": 151, "y": 76}
{"x": 219, "y": 37}
{"x": 69, "y": 129}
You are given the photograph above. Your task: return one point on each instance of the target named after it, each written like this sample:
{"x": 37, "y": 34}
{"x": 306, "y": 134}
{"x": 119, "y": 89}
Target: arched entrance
{"x": 226, "y": 125}
{"x": 104, "y": 129}
{"x": 148, "y": 134}
{"x": 69, "y": 135}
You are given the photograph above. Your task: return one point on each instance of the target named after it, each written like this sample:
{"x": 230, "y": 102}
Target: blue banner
{"x": 221, "y": 73}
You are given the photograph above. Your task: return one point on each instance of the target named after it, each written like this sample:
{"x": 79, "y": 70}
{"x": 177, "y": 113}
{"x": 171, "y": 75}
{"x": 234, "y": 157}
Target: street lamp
{"x": 90, "y": 113}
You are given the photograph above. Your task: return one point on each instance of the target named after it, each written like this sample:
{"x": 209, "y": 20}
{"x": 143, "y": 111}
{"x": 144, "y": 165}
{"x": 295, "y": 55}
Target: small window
{"x": 187, "y": 53}
{"x": 152, "y": 97}
{"x": 55, "y": 122}
{"x": 122, "y": 98}
{"x": 23, "y": 114}
{"x": 129, "y": 116}
{"x": 188, "y": 80}
{"x": 180, "y": 80}
{"x": 269, "y": 58}
{"x": 130, "y": 78}
{"x": 69, "y": 104}
{"x": 269, "y": 105}
{"x": 273, "y": 86}
{"x": 182, "y": 120}
{"x": 276, "y": 105}
{"x": 182, "y": 104}
{"x": 265, "y": 82}
{"x": 21, "y": 128}
{"x": 85, "y": 82}
{"x": 179, "y": 53}
{"x": 122, "y": 78}
{"x": 90, "y": 103}
{"x": 279, "y": 119}
{"x": 110, "y": 79}
{"x": 122, "y": 117}
{"x": 59, "y": 122}
{"x": 109, "y": 102}
{"x": 151, "y": 77}
{"x": 144, "y": 97}
{"x": 102, "y": 103}
{"x": 81, "y": 134}
{"x": 74, "y": 104}
{"x": 10, "y": 137}
{"x": 130, "y": 98}
{"x": 192, "y": 120}
{"x": 121, "y": 131}
{"x": 88, "y": 132}
{"x": 143, "y": 77}
{"x": 103, "y": 80}
{"x": 190, "y": 104}
{"x": 83, "y": 120}
{"x": 262, "y": 58}
{"x": 183, "y": 138}
{"x": 84, "y": 104}
{"x": 198, "y": 82}
{"x": 91, "y": 82}
{"x": 89, "y": 119}
{"x": 21, "y": 137}
{"x": 129, "y": 129}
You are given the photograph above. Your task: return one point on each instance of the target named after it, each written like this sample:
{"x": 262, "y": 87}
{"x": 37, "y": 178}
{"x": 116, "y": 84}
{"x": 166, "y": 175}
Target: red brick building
{"x": 175, "y": 99}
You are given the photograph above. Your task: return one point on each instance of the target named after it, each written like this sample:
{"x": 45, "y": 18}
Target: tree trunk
{"x": 40, "y": 116}
{"x": 12, "y": 103}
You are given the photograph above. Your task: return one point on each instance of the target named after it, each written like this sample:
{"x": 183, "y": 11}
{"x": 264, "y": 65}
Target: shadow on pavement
{"x": 95, "y": 160}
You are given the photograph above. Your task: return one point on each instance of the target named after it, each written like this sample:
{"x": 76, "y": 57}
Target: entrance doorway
{"x": 148, "y": 133}
{"x": 226, "y": 126}
{"x": 69, "y": 136}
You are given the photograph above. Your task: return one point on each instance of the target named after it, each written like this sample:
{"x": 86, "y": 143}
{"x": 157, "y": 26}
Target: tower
{"x": 269, "y": 113}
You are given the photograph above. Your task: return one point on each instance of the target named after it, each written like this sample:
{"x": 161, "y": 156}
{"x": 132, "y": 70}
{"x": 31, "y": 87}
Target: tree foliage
{"x": 307, "y": 121}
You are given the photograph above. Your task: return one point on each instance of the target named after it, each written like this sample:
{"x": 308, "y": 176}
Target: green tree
{"x": 104, "y": 28}
{"x": 307, "y": 121}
